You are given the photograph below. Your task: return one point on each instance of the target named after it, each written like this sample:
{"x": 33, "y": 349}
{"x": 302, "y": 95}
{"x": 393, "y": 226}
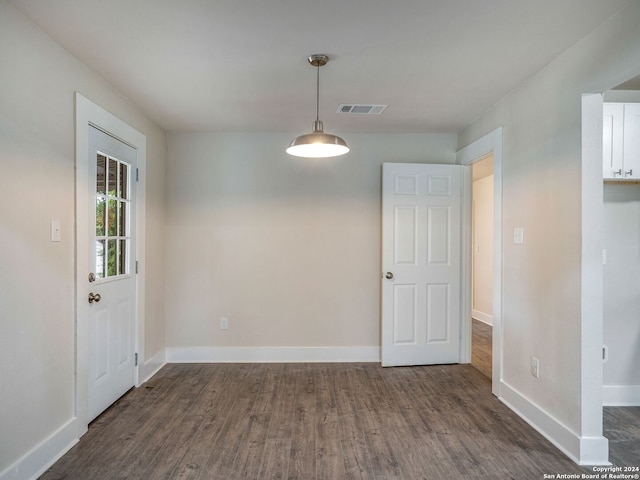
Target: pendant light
{"x": 317, "y": 144}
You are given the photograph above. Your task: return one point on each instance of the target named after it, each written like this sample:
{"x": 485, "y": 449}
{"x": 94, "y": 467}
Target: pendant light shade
{"x": 317, "y": 144}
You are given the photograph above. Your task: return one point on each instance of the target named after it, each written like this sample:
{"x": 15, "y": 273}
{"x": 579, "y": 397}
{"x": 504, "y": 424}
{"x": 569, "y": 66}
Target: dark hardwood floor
{"x": 311, "y": 421}
{"x": 622, "y": 428}
{"x": 621, "y": 424}
{"x": 481, "y": 341}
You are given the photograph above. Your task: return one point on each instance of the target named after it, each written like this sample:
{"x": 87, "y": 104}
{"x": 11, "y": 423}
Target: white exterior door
{"x": 112, "y": 298}
{"x": 421, "y": 251}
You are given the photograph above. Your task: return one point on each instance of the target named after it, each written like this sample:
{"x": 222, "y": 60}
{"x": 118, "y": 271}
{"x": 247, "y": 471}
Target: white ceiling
{"x": 240, "y": 65}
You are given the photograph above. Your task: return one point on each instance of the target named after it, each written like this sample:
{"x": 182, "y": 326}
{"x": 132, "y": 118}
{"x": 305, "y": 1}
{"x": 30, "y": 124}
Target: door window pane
{"x": 122, "y": 219}
{"x": 112, "y": 218}
{"x": 101, "y": 175}
{"x": 100, "y": 258}
{"x": 113, "y": 175}
{"x": 122, "y": 258}
{"x": 113, "y": 208}
{"x": 100, "y": 216}
{"x": 123, "y": 183}
{"x": 111, "y": 257}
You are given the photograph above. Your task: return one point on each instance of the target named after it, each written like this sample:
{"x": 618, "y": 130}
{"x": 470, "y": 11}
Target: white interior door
{"x": 112, "y": 298}
{"x": 421, "y": 251}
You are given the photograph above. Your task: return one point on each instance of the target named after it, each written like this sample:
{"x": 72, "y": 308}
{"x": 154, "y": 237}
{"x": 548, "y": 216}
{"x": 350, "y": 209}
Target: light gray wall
{"x": 482, "y": 302}
{"x": 37, "y": 287}
{"x": 287, "y": 248}
{"x": 542, "y": 193}
{"x": 622, "y": 284}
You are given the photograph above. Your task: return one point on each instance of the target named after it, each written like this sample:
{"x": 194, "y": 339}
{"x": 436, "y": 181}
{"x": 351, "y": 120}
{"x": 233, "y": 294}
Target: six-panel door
{"x": 421, "y": 241}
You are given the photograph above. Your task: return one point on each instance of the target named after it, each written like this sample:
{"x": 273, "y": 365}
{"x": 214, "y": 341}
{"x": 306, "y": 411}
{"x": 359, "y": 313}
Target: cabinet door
{"x": 612, "y": 141}
{"x": 631, "y": 165}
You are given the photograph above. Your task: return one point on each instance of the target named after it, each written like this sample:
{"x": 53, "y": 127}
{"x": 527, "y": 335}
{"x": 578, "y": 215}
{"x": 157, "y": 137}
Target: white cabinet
{"x": 612, "y": 140}
{"x": 621, "y": 141}
{"x": 631, "y": 149}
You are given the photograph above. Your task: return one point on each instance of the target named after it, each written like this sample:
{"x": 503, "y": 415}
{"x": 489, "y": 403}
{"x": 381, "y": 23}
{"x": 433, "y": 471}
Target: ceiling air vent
{"x": 361, "y": 109}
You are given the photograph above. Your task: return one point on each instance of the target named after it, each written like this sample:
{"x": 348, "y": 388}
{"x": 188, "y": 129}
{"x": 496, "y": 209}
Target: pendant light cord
{"x": 318, "y": 93}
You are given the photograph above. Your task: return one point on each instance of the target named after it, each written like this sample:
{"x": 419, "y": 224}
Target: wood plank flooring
{"x": 481, "y": 341}
{"x": 312, "y": 421}
{"x": 622, "y": 428}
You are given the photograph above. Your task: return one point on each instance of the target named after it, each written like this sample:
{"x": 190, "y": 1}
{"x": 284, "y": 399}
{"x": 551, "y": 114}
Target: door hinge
{"x": 135, "y": 360}
{"x": 136, "y": 266}
{"x": 137, "y": 174}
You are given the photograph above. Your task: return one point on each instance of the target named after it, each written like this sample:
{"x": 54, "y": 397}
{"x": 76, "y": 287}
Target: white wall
{"x": 542, "y": 193}
{"x": 482, "y": 302}
{"x": 287, "y": 248}
{"x": 37, "y": 286}
{"x": 622, "y": 287}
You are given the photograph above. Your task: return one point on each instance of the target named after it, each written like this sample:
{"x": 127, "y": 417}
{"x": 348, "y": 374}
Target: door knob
{"x": 94, "y": 297}
{"x": 389, "y": 275}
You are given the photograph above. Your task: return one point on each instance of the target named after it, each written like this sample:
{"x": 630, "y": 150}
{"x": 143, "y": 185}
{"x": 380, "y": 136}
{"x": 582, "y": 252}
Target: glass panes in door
{"x": 113, "y": 208}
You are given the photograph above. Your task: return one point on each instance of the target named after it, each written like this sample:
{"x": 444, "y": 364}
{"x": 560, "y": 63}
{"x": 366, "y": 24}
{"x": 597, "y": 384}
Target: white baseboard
{"x": 35, "y": 462}
{"x": 482, "y": 317}
{"x": 582, "y": 450}
{"x": 151, "y": 366}
{"x": 271, "y": 354}
{"x": 621, "y": 395}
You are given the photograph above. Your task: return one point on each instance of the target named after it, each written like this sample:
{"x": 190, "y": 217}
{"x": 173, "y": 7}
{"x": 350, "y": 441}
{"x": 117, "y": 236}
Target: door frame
{"x": 489, "y": 144}
{"x": 592, "y": 274}
{"x": 88, "y": 113}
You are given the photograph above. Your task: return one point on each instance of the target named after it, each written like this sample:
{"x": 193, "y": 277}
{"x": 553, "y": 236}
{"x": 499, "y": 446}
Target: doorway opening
{"x": 617, "y": 113}
{"x": 487, "y": 146}
{"x": 482, "y": 191}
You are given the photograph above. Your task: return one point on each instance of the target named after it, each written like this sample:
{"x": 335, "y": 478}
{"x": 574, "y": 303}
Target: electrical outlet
{"x": 224, "y": 323}
{"x": 535, "y": 367}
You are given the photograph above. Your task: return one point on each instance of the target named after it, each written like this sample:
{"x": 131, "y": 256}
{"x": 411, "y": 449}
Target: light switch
{"x": 518, "y": 235}
{"x": 56, "y": 236}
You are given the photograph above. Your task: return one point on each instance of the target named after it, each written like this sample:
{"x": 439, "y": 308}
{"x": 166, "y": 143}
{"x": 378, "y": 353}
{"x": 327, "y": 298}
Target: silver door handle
{"x": 94, "y": 297}
{"x": 389, "y": 275}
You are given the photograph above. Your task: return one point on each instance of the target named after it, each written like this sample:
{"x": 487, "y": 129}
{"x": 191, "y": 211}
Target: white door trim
{"x": 594, "y": 447}
{"x": 88, "y": 113}
{"x": 490, "y": 143}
